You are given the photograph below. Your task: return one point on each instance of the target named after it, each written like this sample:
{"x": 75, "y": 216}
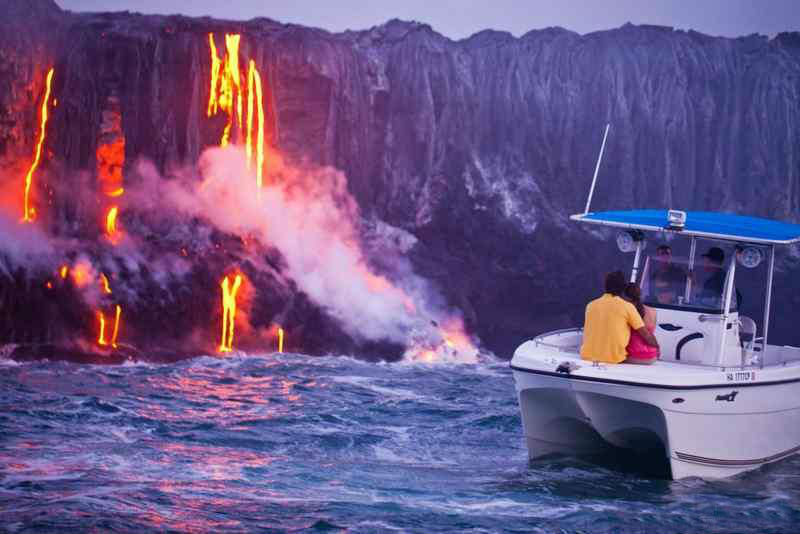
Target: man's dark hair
{"x": 615, "y": 283}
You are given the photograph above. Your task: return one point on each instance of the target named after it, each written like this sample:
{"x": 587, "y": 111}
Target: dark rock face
{"x": 479, "y": 148}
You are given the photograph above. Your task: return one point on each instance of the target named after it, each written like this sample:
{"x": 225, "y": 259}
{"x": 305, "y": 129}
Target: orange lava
{"x": 64, "y": 271}
{"x": 101, "y": 339}
{"x": 228, "y": 312}
{"x": 213, "y": 94}
{"x": 29, "y": 212}
{"x": 104, "y": 282}
{"x": 225, "y": 94}
{"x": 254, "y": 86}
{"x": 280, "y": 340}
{"x": 116, "y": 327}
{"x": 111, "y": 224}
{"x": 80, "y": 274}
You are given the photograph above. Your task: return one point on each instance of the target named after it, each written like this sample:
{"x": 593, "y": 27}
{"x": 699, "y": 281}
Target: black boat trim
{"x": 727, "y": 385}
{"x": 733, "y": 463}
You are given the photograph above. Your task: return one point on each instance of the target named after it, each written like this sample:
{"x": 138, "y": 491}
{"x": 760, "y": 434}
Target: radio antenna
{"x": 596, "y": 169}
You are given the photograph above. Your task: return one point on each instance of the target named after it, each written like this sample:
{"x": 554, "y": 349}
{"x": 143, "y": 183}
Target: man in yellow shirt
{"x": 608, "y": 324}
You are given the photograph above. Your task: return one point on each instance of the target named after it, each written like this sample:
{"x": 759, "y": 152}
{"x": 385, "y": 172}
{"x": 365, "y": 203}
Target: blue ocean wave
{"x": 293, "y": 443}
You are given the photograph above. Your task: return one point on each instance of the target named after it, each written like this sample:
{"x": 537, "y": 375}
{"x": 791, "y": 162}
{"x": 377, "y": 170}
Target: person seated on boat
{"x": 667, "y": 279}
{"x": 638, "y": 350}
{"x": 711, "y": 293}
{"x": 608, "y": 324}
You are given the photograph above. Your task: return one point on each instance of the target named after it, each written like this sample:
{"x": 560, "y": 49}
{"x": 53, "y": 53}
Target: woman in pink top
{"x": 639, "y": 351}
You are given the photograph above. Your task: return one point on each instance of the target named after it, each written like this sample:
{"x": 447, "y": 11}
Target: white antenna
{"x": 596, "y": 169}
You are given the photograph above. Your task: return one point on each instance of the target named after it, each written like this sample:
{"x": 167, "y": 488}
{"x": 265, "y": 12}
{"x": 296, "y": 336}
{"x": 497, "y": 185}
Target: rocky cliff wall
{"x": 476, "y": 150}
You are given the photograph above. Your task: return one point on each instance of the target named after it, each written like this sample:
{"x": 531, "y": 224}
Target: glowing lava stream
{"x": 215, "y": 63}
{"x": 228, "y": 312}
{"x": 116, "y": 328}
{"x": 226, "y": 84}
{"x": 280, "y": 340}
{"x": 111, "y": 224}
{"x": 29, "y": 212}
{"x": 101, "y": 339}
{"x": 104, "y": 281}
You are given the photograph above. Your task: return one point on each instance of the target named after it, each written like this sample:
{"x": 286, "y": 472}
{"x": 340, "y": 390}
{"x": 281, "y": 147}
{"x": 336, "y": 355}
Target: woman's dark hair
{"x": 634, "y": 294}
{"x": 615, "y": 283}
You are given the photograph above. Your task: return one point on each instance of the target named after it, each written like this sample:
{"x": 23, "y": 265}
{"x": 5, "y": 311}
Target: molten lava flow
{"x": 64, "y": 271}
{"x": 28, "y": 212}
{"x": 80, "y": 274}
{"x": 254, "y": 85}
{"x": 110, "y": 156}
{"x": 101, "y": 339}
{"x": 104, "y": 281}
{"x": 228, "y": 312}
{"x": 226, "y": 87}
{"x": 280, "y": 340}
{"x": 111, "y": 224}
{"x": 232, "y": 53}
{"x": 116, "y": 328}
{"x": 213, "y": 94}
{"x": 230, "y": 86}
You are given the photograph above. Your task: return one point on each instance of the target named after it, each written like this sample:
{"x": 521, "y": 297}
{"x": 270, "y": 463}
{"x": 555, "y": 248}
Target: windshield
{"x": 667, "y": 281}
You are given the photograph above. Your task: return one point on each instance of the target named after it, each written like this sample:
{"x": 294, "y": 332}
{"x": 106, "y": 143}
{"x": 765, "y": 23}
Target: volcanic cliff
{"x": 463, "y": 159}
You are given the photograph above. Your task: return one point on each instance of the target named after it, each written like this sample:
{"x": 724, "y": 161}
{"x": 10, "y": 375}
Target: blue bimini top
{"x": 726, "y": 226}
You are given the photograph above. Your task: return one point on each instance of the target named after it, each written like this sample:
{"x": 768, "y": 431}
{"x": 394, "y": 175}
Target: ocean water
{"x": 293, "y": 443}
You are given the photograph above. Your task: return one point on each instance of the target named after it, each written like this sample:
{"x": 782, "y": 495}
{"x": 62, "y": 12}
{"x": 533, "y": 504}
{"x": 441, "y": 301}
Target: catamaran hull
{"x": 709, "y": 432}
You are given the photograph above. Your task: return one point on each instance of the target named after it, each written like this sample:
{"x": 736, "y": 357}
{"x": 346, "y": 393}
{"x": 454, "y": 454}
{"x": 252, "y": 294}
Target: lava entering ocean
{"x": 288, "y": 234}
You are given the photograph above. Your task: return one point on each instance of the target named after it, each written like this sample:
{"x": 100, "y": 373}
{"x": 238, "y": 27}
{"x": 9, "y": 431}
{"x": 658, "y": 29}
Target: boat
{"x": 720, "y": 400}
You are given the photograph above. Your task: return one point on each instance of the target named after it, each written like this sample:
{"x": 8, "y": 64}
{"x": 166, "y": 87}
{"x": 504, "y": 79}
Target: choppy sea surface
{"x": 293, "y": 443}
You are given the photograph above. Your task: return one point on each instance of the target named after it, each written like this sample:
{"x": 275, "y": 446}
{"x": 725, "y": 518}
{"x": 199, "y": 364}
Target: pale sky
{"x": 459, "y": 19}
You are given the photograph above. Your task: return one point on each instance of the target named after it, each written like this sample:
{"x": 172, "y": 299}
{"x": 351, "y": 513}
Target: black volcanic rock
{"x": 479, "y": 148}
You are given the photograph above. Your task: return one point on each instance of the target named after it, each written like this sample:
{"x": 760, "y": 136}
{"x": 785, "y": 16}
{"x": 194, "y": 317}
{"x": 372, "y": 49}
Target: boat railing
{"x": 559, "y": 334}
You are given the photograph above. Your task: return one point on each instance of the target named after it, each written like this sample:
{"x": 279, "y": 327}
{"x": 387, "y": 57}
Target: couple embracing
{"x": 618, "y": 327}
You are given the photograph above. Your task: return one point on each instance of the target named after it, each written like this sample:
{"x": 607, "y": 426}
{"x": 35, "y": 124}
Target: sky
{"x": 461, "y": 18}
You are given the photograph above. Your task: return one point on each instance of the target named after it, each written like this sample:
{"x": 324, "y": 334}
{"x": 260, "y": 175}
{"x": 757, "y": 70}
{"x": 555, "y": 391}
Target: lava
{"x": 226, "y": 88}
{"x": 116, "y": 327}
{"x": 64, "y": 271}
{"x": 104, "y": 282}
{"x": 101, "y": 339}
{"x": 228, "y": 312}
{"x": 110, "y": 157}
{"x": 230, "y": 83}
{"x": 111, "y": 224}
{"x": 213, "y": 94}
{"x": 29, "y": 212}
{"x": 280, "y": 340}
{"x": 254, "y": 85}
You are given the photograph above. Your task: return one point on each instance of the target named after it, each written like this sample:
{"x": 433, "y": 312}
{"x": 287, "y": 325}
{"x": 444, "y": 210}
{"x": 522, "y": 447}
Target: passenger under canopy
{"x": 673, "y": 283}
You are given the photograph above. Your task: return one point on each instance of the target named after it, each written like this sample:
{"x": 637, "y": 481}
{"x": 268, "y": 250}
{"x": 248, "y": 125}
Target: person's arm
{"x": 636, "y": 323}
{"x": 648, "y": 337}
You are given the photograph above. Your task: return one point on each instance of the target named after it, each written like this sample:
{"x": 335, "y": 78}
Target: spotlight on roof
{"x": 749, "y": 257}
{"x": 628, "y": 240}
{"x": 676, "y": 219}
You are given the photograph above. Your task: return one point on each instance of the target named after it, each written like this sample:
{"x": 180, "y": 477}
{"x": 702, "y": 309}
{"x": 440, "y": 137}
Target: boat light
{"x": 749, "y": 257}
{"x": 628, "y": 240}
{"x": 676, "y": 219}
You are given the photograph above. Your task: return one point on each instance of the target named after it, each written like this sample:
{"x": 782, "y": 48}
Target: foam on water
{"x": 292, "y": 443}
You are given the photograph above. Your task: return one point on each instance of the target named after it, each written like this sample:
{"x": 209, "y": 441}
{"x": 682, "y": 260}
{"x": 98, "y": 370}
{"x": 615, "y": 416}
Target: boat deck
{"x": 546, "y": 353}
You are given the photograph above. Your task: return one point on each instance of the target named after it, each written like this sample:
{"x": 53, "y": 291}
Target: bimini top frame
{"x": 709, "y": 225}
{"x": 706, "y": 224}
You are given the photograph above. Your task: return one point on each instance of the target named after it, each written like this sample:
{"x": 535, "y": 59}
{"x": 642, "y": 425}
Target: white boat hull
{"x": 711, "y": 430}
